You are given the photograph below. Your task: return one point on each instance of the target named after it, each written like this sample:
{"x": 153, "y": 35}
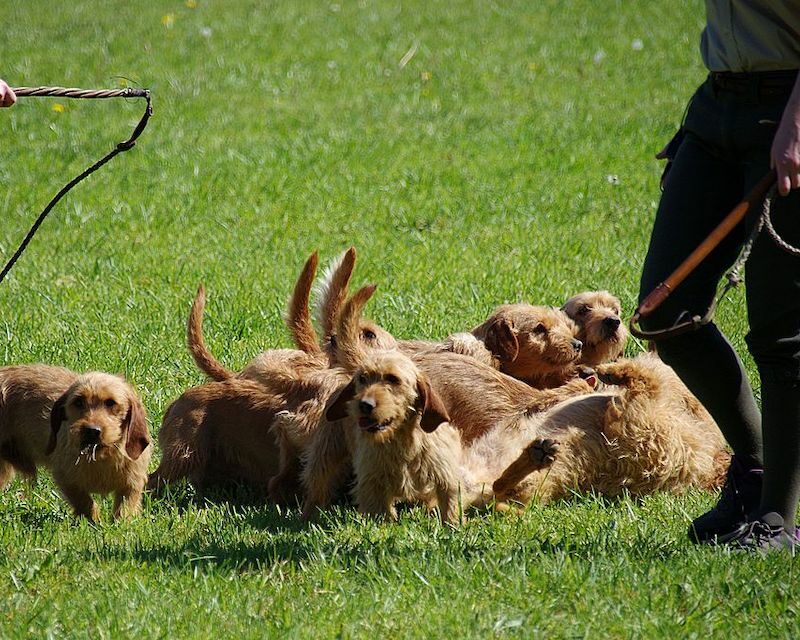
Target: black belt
{"x": 755, "y": 82}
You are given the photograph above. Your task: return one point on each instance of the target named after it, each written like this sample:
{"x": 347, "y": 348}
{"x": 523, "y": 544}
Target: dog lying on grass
{"x": 643, "y": 434}
{"x": 535, "y": 344}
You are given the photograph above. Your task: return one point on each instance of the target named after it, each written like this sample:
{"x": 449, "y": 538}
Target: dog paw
{"x": 542, "y": 452}
{"x": 614, "y": 374}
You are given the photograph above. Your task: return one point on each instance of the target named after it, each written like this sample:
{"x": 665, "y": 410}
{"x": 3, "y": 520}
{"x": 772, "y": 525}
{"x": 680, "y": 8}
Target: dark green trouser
{"x": 725, "y": 151}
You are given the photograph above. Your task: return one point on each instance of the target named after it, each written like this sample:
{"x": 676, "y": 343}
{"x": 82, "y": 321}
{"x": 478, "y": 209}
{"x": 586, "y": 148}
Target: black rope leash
{"x": 62, "y": 92}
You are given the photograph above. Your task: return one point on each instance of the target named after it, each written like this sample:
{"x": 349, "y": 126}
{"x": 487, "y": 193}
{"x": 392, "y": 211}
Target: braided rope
{"x": 73, "y": 92}
{"x": 125, "y": 145}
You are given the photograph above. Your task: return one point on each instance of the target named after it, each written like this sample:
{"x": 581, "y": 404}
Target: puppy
{"x": 600, "y": 328}
{"x": 401, "y": 445}
{"x": 535, "y": 344}
{"x": 99, "y": 443}
{"x": 641, "y": 435}
{"x": 27, "y": 395}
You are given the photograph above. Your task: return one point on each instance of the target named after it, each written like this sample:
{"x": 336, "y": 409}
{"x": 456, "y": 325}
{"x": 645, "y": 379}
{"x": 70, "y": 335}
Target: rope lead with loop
{"x": 125, "y": 145}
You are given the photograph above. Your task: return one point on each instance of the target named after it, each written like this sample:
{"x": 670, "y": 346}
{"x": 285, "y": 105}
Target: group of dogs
{"x": 535, "y": 403}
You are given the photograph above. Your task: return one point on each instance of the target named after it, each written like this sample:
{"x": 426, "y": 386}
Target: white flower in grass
{"x": 637, "y": 44}
{"x": 599, "y": 56}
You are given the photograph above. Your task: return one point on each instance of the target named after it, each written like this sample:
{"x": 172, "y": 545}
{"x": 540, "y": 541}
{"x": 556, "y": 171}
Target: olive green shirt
{"x": 751, "y": 35}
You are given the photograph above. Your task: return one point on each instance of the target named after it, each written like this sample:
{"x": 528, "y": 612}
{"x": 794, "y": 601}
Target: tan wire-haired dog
{"x": 27, "y": 395}
{"x": 401, "y": 445}
{"x": 535, "y": 344}
{"x": 99, "y": 443}
{"x": 600, "y": 328}
{"x": 640, "y": 435}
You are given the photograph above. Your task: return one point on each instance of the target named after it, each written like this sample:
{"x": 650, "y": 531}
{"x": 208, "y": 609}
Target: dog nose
{"x": 577, "y": 345}
{"x": 611, "y": 323}
{"x": 90, "y": 434}
{"x": 366, "y": 406}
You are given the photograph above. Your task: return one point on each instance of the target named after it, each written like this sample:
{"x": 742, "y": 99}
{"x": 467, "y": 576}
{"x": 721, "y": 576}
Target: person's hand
{"x": 7, "y": 97}
{"x": 785, "y": 152}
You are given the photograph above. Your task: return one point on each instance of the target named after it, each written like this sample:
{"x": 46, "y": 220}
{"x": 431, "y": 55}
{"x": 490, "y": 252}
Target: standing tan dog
{"x": 27, "y": 395}
{"x": 401, "y": 445}
{"x": 252, "y": 426}
{"x": 245, "y": 431}
{"x": 99, "y": 443}
{"x": 90, "y": 430}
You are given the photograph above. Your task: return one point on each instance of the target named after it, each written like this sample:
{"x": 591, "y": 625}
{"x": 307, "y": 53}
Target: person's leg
{"x": 773, "y": 299}
{"x": 704, "y": 184}
{"x": 700, "y": 189}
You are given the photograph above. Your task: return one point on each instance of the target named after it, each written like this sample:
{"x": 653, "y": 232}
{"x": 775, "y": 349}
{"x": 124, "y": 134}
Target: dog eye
{"x": 78, "y": 403}
{"x": 583, "y": 310}
{"x": 392, "y": 379}
{"x": 110, "y": 403}
{"x": 368, "y": 334}
{"x": 361, "y": 379}
{"x": 540, "y": 328}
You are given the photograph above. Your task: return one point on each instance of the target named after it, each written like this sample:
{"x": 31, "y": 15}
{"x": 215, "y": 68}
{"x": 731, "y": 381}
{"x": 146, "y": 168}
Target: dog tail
{"x": 204, "y": 359}
{"x": 350, "y": 350}
{"x": 298, "y": 318}
{"x": 331, "y": 291}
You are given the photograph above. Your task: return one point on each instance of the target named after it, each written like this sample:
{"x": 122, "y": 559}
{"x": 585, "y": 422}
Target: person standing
{"x": 741, "y": 122}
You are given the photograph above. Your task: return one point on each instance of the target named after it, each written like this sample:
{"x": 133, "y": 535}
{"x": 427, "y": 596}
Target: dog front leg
{"x": 127, "y": 503}
{"x": 540, "y": 454}
{"x": 81, "y": 502}
{"x": 326, "y": 467}
{"x": 450, "y": 505}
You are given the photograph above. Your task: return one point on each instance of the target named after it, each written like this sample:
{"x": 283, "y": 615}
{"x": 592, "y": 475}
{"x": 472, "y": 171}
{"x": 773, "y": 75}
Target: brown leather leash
{"x": 657, "y": 296}
{"x": 64, "y": 92}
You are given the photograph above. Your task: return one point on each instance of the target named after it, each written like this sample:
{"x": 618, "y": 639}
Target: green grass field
{"x": 510, "y": 158}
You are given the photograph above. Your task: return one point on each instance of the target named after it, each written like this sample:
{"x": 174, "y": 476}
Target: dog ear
{"x": 430, "y": 405}
{"x": 337, "y": 408}
{"x": 57, "y": 416}
{"x": 501, "y": 340}
{"x": 136, "y": 424}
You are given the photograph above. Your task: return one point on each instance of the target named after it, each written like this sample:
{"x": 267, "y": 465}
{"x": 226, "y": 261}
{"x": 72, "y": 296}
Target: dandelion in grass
{"x": 59, "y": 108}
{"x": 191, "y": 4}
{"x": 426, "y": 76}
{"x": 533, "y": 66}
{"x": 168, "y": 20}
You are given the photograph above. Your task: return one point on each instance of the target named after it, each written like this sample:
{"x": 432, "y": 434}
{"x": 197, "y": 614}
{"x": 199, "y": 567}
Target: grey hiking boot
{"x": 765, "y": 534}
{"x": 740, "y": 496}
